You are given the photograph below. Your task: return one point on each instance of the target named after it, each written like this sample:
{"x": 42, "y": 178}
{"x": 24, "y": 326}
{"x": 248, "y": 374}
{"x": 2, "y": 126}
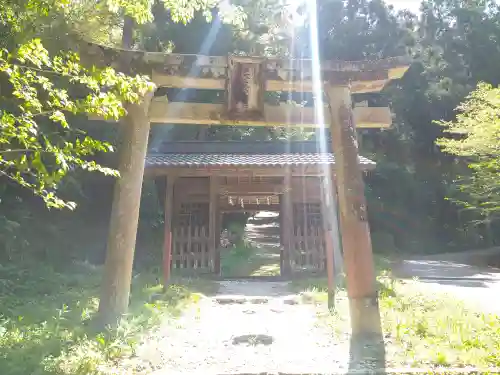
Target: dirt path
{"x": 249, "y": 327}
{"x": 475, "y": 286}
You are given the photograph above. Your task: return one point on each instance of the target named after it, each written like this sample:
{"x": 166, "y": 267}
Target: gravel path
{"x": 249, "y": 327}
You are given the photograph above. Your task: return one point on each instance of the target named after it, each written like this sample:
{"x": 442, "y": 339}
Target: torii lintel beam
{"x": 161, "y": 112}
{"x": 246, "y": 81}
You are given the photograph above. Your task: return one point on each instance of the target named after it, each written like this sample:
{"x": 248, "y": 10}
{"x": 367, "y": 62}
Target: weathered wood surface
{"x": 333, "y": 247}
{"x": 361, "y": 87}
{"x": 287, "y": 222}
{"x": 162, "y": 112}
{"x": 196, "y": 238}
{"x": 245, "y": 81}
{"x": 249, "y": 208}
{"x": 251, "y": 189}
{"x": 191, "y": 249}
{"x": 211, "y": 72}
{"x": 297, "y": 171}
{"x": 213, "y": 217}
{"x": 184, "y": 63}
{"x": 308, "y": 248}
{"x": 169, "y": 212}
{"x": 117, "y": 274}
{"x": 196, "y": 189}
{"x": 356, "y": 240}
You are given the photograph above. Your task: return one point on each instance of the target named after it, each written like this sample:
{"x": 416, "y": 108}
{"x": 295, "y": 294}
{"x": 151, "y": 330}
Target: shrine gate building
{"x": 206, "y": 179}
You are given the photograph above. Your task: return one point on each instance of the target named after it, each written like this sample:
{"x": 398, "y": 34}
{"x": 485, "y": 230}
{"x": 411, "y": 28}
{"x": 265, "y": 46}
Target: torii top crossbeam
{"x": 246, "y": 80}
{"x": 278, "y": 74}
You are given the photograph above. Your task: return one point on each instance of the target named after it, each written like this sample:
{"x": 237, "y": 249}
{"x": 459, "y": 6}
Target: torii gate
{"x": 245, "y": 81}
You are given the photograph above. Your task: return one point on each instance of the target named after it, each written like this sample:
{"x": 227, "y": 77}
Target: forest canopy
{"x": 47, "y": 94}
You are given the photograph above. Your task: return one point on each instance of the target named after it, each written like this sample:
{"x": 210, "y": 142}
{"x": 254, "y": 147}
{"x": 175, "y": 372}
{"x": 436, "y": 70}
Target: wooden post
{"x": 358, "y": 257}
{"x": 213, "y": 218}
{"x": 326, "y": 215}
{"x": 125, "y": 214}
{"x": 336, "y": 235}
{"x": 167, "y": 246}
{"x": 282, "y": 235}
{"x": 160, "y": 184}
{"x": 287, "y": 213}
{"x": 217, "y": 269}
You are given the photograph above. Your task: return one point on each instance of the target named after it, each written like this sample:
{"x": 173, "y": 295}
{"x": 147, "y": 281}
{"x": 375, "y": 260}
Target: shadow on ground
{"x": 367, "y": 353}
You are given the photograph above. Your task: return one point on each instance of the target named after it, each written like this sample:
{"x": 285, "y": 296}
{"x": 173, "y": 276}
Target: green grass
{"x": 46, "y": 318}
{"x": 428, "y": 329}
{"x": 420, "y": 330}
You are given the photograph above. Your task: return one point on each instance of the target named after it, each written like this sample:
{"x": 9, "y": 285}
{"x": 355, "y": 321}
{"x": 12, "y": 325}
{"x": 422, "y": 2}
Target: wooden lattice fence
{"x": 192, "y": 248}
{"x": 191, "y": 243}
{"x": 308, "y": 244}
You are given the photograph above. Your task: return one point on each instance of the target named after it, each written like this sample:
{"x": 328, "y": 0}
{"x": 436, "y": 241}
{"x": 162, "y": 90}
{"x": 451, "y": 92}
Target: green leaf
{"x": 58, "y": 116}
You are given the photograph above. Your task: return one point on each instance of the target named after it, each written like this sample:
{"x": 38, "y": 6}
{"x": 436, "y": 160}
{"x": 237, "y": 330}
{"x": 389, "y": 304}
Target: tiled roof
{"x": 241, "y": 153}
{"x": 254, "y": 160}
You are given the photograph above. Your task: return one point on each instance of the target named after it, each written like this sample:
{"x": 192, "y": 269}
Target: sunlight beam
{"x": 319, "y": 107}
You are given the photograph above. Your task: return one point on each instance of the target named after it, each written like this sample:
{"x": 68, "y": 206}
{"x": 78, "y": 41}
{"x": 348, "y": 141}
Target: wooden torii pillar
{"x": 245, "y": 81}
{"x": 356, "y": 239}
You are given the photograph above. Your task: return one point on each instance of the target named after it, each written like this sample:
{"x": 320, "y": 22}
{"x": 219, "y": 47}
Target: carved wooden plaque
{"x": 245, "y": 88}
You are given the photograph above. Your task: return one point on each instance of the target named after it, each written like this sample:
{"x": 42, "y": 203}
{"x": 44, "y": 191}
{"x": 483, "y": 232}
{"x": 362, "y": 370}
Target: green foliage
{"x": 46, "y": 318}
{"x": 234, "y": 259}
{"x": 454, "y": 44}
{"x": 267, "y": 29}
{"x": 43, "y": 92}
{"x": 369, "y": 25}
{"x": 198, "y": 27}
{"x": 38, "y": 147}
{"x": 475, "y": 139}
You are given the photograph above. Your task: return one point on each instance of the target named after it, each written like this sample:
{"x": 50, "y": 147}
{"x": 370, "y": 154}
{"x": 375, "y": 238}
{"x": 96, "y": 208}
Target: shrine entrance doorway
{"x": 207, "y": 181}
{"x": 251, "y": 245}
